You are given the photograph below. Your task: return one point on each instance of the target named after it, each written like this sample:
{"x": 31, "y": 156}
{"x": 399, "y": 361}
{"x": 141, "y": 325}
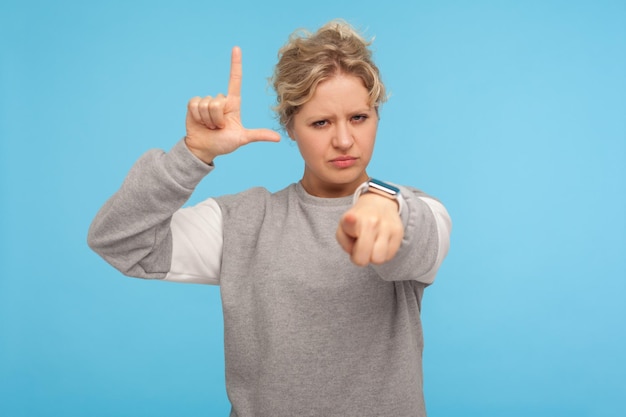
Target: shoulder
{"x": 247, "y": 196}
{"x": 414, "y": 195}
{"x": 257, "y": 198}
{"x": 410, "y": 191}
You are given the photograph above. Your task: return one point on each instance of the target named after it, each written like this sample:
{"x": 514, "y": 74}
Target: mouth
{"x": 343, "y": 161}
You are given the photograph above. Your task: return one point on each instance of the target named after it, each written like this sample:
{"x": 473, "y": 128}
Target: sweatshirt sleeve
{"x": 426, "y": 239}
{"x": 133, "y": 230}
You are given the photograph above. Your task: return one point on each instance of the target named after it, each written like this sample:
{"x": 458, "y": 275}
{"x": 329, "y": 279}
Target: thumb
{"x": 262, "y": 135}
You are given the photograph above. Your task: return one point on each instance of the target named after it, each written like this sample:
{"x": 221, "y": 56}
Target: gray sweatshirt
{"x": 307, "y": 333}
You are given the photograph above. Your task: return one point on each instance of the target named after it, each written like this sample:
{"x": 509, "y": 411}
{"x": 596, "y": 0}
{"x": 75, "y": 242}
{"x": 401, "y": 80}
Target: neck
{"x": 332, "y": 190}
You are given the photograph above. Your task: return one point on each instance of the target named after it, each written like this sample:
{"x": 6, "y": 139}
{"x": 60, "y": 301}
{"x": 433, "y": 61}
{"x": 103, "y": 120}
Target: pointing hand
{"x": 371, "y": 231}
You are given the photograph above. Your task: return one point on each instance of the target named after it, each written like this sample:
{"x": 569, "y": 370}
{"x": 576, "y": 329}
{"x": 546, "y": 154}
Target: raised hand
{"x": 214, "y": 123}
{"x": 371, "y": 231}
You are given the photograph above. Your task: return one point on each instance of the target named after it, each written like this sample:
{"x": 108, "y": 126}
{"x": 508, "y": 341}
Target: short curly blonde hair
{"x": 310, "y": 58}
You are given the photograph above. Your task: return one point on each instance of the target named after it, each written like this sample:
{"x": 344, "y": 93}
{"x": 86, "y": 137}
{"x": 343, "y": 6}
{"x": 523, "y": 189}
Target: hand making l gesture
{"x": 214, "y": 123}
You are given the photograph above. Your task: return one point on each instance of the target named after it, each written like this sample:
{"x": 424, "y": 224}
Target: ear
{"x": 292, "y": 136}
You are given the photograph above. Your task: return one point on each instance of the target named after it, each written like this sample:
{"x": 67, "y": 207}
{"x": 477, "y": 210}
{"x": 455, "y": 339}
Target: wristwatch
{"x": 381, "y": 188}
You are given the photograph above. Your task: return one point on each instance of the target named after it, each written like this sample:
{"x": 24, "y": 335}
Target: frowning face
{"x": 335, "y": 132}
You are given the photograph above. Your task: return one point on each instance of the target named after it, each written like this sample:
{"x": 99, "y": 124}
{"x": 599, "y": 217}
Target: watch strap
{"x": 381, "y": 188}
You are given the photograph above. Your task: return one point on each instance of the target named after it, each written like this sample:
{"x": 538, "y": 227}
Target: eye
{"x": 319, "y": 123}
{"x": 359, "y": 118}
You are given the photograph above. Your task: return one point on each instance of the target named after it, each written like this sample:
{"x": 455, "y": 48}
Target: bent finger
{"x": 380, "y": 250}
{"x": 203, "y": 110}
{"x": 363, "y": 247}
{"x": 192, "y": 109}
{"x": 395, "y": 242}
{"x": 216, "y": 111}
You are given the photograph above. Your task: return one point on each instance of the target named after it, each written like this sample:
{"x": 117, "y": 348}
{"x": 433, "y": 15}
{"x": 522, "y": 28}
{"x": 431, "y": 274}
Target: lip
{"x": 343, "y": 161}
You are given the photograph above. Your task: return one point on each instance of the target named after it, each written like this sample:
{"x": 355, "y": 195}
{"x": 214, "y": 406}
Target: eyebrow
{"x": 324, "y": 116}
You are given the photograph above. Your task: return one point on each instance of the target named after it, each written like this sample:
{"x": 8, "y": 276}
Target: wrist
{"x": 382, "y": 190}
{"x": 376, "y": 200}
{"x": 202, "y": 155}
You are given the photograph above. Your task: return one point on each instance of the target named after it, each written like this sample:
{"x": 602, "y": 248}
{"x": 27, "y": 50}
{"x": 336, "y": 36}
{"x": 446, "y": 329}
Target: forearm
{"x": 425, "y": 243}
{"x": 132, "y": 230}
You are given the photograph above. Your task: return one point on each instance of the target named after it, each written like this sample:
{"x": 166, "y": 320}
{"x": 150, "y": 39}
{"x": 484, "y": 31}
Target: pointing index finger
{"x": 234, "y": 83}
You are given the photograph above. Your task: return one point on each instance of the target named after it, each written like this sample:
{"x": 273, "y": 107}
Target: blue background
{"x": 511, "y": 112}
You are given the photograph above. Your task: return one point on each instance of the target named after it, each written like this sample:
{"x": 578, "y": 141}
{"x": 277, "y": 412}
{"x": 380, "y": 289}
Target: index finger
{"x": 234, "y": 83}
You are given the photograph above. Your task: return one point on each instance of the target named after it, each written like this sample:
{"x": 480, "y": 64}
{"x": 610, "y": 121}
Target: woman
{"x": 310, "y": 329}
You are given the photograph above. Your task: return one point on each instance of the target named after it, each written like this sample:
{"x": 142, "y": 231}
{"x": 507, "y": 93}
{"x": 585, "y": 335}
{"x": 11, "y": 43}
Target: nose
{"x": 342, "y": 137}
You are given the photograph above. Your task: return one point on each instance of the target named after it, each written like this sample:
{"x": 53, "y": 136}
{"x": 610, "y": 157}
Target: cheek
{"x": 306, "y": 147}
{"x": 369, "y": 142}
{"x": 303, "y": 144}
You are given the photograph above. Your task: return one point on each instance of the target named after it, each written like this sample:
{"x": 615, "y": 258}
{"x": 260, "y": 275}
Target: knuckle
{"x": 214, "y": 104}
{"x": 371, "y": 222}
{"x": 193, "y": 102}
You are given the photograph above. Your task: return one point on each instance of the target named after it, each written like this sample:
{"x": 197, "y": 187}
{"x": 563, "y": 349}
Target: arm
{"x": 141, "y": 231}
{"x": 410, "y": 245}
{"x": 425, "y": 243}
{"x": 132, "y": 230}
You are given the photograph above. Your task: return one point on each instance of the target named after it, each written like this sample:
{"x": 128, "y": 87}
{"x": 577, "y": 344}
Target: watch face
{"x": 383, "y": 186}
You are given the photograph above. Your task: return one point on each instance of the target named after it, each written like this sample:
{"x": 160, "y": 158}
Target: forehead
{"x": 341, "y": 91}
